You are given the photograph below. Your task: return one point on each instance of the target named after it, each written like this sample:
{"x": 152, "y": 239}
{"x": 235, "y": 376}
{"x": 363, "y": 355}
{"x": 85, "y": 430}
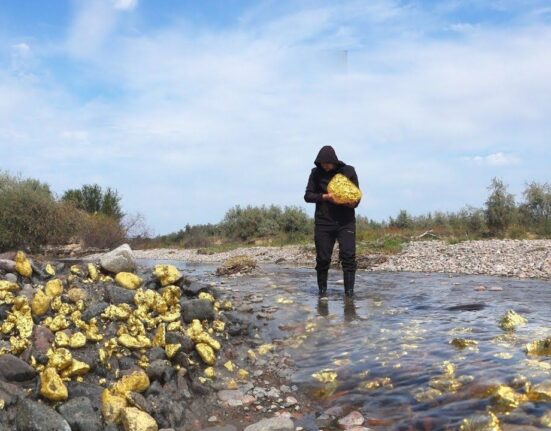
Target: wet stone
{"x": 156, "y": 353}
{"x": 13, "y": 369}
{"x": 197, "y": 309}
{"x": 34, "y": 416}
{"x": 221, "y": 428}
{"x": 42, "y": 339}
{"x": 272, "y": 424}
{"x": 88, "y": 390}
{"x": 94, "y": 310}
{"x": 119, "y": 295}
{"x": 80, "y": 414}
{"x": 159, "y": 369}
{"x": 351, "y": 420}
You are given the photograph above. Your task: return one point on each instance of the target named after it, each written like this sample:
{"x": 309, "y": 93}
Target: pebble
{"x": 351, "y": 420}
{"x": 280, "y": 423}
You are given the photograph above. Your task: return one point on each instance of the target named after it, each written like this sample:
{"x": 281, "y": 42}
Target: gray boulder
{"x": 118, "y": 260}
{"x": 14, "y": 369}
{"x": 33, "y": 416}
{"x": 10, "y": 277}
{"x": 80, "y": 414}
{"x": 94, "y": 310}
{"x": 119, "y": 295}
{"x": 196, "y": 309}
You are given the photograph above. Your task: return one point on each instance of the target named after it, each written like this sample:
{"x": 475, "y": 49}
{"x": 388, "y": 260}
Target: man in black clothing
{"x": 333, "y": 222}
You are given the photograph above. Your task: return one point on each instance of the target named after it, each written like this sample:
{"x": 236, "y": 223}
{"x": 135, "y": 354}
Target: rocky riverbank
{"x": 511, "y": 258}
{"x": 111, "y": 346}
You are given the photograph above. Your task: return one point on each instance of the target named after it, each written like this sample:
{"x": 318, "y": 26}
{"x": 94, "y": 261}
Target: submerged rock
{"x": 511, "y": 320}
{"x": 481, "y": 422}
{"x": 272, "y": 424}
{"x": 237, "y": 264}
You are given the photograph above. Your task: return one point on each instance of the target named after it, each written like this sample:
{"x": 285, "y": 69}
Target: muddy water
{"x": 390, "y": 347}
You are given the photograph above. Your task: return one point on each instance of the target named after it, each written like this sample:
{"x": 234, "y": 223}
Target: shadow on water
{"x": 390, "y": 346}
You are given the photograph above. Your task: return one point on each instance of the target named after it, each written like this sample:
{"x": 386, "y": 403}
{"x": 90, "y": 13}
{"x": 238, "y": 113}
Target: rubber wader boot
{"x": 349, "y": 278}
{"x": 322, "y": 283}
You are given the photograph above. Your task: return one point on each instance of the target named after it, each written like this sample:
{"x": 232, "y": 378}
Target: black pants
{"x": 325, "y": 238}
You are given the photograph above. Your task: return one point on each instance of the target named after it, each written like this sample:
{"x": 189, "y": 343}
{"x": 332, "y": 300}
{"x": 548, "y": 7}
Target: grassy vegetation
{"x": 31, "y": 216}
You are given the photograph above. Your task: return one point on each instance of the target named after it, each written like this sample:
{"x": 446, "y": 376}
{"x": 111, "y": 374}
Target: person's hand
{"x": 351, "y": 204}
{"x": 328, "y": 197}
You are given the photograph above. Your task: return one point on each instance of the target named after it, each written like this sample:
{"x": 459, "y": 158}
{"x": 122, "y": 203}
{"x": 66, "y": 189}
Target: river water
{"x": 389, "y": 349}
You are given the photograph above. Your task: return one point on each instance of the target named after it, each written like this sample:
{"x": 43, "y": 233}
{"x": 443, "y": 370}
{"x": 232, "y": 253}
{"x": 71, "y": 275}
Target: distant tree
{"x": 92, "y": 199}
{"x": 500, "y": 207}
{"x": 536, "y": 208}
{"x": 403, "y": 220}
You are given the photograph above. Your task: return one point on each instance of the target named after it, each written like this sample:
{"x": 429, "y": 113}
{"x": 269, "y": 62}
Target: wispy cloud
{"x": 187, "y": 121}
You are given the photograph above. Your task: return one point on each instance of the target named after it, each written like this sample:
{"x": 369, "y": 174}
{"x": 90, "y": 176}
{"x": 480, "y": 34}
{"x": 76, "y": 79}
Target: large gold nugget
{"x": 23, "y": 265}
{"x": 138, "y": 381}
{"x": 344, "y": 191}
{"x": 112, "y": 406}
{"x": 166, "y": 274}
{"x": 51, "y": 385}
{"x": 207, "y": 353}
{"x": 134, "y": 419}
{"x": 128, "y": 280}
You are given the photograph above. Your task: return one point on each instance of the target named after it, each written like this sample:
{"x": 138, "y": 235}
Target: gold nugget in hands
{"x": 344, "y": 191}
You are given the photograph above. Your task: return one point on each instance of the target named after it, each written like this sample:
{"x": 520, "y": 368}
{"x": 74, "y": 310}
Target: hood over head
{"x": 327, "y": 155}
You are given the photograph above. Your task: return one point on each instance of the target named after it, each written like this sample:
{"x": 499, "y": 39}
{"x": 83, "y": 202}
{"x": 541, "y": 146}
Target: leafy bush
{"x": 30, "y": 216}
{"x": 92, "y": 199}
{"x": 500, "y": 207}
{"x": 101, "y": 231}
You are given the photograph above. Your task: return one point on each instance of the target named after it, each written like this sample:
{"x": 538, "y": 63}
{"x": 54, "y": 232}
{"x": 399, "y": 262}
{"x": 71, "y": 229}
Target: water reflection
{"x": 390, "y": 346}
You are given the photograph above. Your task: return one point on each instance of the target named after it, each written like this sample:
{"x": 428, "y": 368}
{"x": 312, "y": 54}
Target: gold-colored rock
{"x": 344, "y": 191}
{"x": 285, "y": 301}
{"x": 545, "y": 420}
{"x": 174, "y": 326}
{"x": 159, "y": 340}
{"x": 481, "y": 422}
{"x": 49, "y": 270}
{"x": 21, "y": 312}
{"x": 209, "y": 372}
{"x": 243, "y": 374}
{"x": 40, "y": 303}
{"x": 77, "y": 294}
{"x": 265, "y": 349}
{"x": 511, "y": 320}
{"x": 229, "y": 366}
{"x": 463, "y": 343}
{"x": 77, "y": 368}
{"x": 426, "y": 395}
{"x": 540, "y": 392}
{"x": 251, "y": 355}
{"x": 218, "y": 326}
{"x": 78, "y": 339}
{"x": 507, "y": 398}
{"x": 206, "y": 353}
{"x": 117, "y": 312}
{"x": 232, "y": 384}
{"x": 325, "y": 376}
{"x": 445, "y": 383}
{"x": 172, "y": 349}
{"x": 539, "y": 347}
{"x": 206, "y": 296}
{"x": 8, "y": 286}
{"x": 376, "y": 383}
{"x": 51, "y": 385}
{"x": 93, "y": 273}
{"x": 137, "y": 342}
{"x": 225, "y": 305}
{"x": 134, "y": 419}
{"x": 59, "y": 359}
{"x": 75, "y": 270}
{"x": 18, "y": 345}
{"x": 128, "y": 280}
{"x": 92, "y": 332}
{"x": 112, "y": 406}
{"x": 58, "y": 323}
{"x": 135, "y": 382}
{"x": 23, "y": 265}
{"x": 62, "y": 339}
{"x": 54, "y": 288}
{"x": 167, "y": 274}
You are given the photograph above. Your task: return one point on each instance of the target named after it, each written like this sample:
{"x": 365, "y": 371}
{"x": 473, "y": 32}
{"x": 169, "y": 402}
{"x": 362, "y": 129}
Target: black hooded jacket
{"x": 329, "y": 214}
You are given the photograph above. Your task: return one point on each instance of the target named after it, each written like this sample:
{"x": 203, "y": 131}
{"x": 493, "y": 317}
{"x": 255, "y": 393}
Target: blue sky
{"x": 188, "y": 108}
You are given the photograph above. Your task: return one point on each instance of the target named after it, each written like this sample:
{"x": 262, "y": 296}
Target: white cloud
{"x": 495, "y": 159}
{"x": 125, "y": 4}
{"x": 220, "y": 117}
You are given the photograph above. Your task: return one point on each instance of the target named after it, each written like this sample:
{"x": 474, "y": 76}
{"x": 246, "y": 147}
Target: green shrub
{"x": 30, "y": 216}
{"x": 101, "y": 231}
{"x": 500, "y": 207}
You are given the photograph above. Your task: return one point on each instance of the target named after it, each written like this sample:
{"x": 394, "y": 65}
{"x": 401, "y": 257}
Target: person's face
{"x": 328, "y": 166}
